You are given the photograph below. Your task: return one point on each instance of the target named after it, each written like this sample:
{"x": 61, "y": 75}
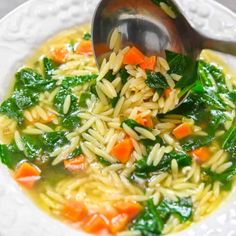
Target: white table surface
{"x": 8, "y": 5}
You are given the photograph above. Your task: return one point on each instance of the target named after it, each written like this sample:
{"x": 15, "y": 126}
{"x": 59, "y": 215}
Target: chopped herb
{"x": 77, "y": 152}
{"x": 49, "y": 67}
{"x": 132, "y": 124}
{"x": 54, "y": 139}
{"x": 229, "y": 141}
{"x": 156, "y": 80}
{"x": 87, "y": 36}
{"x": 109, "y": 76}
{"x": 124, "y": 75}
{"x": 103, "y": 161}
{"x": 114, "y": 101}
{"x": 84, "y": 97}
{"x": 71, "y": 121}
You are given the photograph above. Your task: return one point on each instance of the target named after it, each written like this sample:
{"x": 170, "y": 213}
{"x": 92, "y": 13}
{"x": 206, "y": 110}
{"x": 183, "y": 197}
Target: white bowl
{"x": 22, "y": 31}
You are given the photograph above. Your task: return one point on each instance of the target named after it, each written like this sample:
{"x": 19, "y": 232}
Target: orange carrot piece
{"x": 27, "y": 174}
{"x": 130, "y": 208}
{"x": 149, "y": 63}
{"x": 109, "y": 212}
{"x": 167, "y": 92}
{"x": 201, "y": 154}
{"x": 182, "y": 131}
{"x": 84, "y": 48}
{"x": 74, "y": 211}
{"x": 119, "y": 223}
{"x": 75, "y": 164}
{"x": 122, "y": 150}
{"x": 95, "y": 223}
{"x": 145, "y": 121}
{"x": 59, "y": 55}
{"x": 133, "y": 57}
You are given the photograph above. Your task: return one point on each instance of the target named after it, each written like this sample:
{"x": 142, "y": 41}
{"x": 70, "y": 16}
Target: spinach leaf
{"x": 149, "y": 222}
{"x": 49, "y": 66}
{"x": 60, "y": 99}
{"x": 32, "y": 146}
{"x": 77, "y": 152}
{"x": 25, "y": 98}
{"x": 109, "y": 76}
{"x": 143, "y": 170}
{"x": 54, "y": 139}
{"x": 73, "y": 81}
{"x": 10, "y": 109}
{"x": 84, "y": 97}
{"x": 87, "y": 36}
{"x": 71, "y": 121}
{"x": 183, "y": 208}
{"x": 194, "y": 142}
{"x": 156, "y": 80}
{"x": 30, "y": 79}
{"x": 10, "y": 155}
{"x": 124, "y": 75}
{"x": 229, "y": 141}
{"x": 103, "y": 161}
{"x": 182, "y": 65}
{"x": 114, "y": 101}
{"x": 148, "y": 143}
{"x": 132, "y": 124}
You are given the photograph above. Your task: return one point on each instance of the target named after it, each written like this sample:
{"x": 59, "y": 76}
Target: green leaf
{"x": 73, "y": 81}
{"x": 60, "y": 99}
{"x": 84, "y": 97}
{"x": 184, "y": 66}
{"x": 10, "y": 155}
{"x": 156, "y": 80}
{"x": 71, "y": 121}
{"x": 142, "y": 169}
{"x": 132, "y": 124}
{"x": 103, "y": 161}
{"x": 25, "y": 98}
{"x": 229, "y": 141}
{"x": 183, "y": 208}
{"x": 109, "y": 76}
{"x": 77, "y": 152}
{"x": 150, "y": 143}
{"x": 54, "y": 140}
{"x": 194, "y": 142}
{"x": 114, "y": 101}
{"x": 149, "y": 222}
{"x": 32, "y": 147}
{"x": 124, "y": 75}
{"x": 30, "y": 79}
{"x": 10, "y": 109}
{"x": 87, "y": 36}
{"x": 49, "y": 67}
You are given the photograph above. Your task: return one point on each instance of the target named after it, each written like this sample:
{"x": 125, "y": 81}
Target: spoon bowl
{"x": 147, "y": 26}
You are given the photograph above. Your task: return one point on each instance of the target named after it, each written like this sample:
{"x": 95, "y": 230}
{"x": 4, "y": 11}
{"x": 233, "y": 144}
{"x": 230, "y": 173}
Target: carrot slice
{"x": 182, "y": 131}
{"x": 27, "y": 174}
{"x": 59, "y": 55}
{"x": 122, "y": 151}
{"x": 84, "y": 48}
{"x": 95, "y": 223}
{"x": 145, "y": 121}
{"x": 149, "y": 63}
{"x": 74, "y": 211}
{"x": 119, "y": 223}
{"x": 201, "y": 154}
{"x": 167, "y": 92}
{"x": 75, "y": 164}
{"x": 133, "y": 57}
{"x": 109, "y": 212}
{"x": 130, "y": 208}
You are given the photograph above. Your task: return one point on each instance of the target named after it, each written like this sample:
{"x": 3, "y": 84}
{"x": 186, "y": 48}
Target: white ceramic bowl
{"x": 25, "y": 29}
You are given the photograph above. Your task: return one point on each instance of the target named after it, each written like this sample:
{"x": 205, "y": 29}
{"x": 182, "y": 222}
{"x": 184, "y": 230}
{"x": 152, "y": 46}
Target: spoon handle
{"x": 225, "y": 46}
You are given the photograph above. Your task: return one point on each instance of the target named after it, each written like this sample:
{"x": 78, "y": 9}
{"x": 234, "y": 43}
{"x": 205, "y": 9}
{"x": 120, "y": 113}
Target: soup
{"x": 110, "y": 152}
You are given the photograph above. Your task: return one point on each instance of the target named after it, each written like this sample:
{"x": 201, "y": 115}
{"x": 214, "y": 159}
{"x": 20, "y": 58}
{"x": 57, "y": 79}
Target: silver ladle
{"x": 145, "y": 25}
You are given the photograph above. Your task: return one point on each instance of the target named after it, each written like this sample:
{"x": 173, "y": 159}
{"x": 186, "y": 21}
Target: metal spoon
{"x": 145, "y": 25}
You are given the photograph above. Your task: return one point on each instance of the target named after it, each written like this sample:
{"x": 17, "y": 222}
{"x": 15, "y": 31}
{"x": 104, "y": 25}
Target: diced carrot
{"x": 182, "y": 131}
{"x": 130, "y": 208}
{"x": 84, "y": 48}
{"x": 95, "y": 223}
{"x": 167, "y": 92}
{"x": 59, "y": 55}
{"x": 133, "y": 57}
{"x": 145, "y": 121}
{"x": 122, "y": 150}
{"x": 201, "y": 154}
{"x": 75, "y": 164}
{"x": 149, "y": 63}
{"x": 74, "y": 211}
{"x": 27, "y": 174}
{"x": 119, "y": 223}
{"x": 109, "y": 212}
